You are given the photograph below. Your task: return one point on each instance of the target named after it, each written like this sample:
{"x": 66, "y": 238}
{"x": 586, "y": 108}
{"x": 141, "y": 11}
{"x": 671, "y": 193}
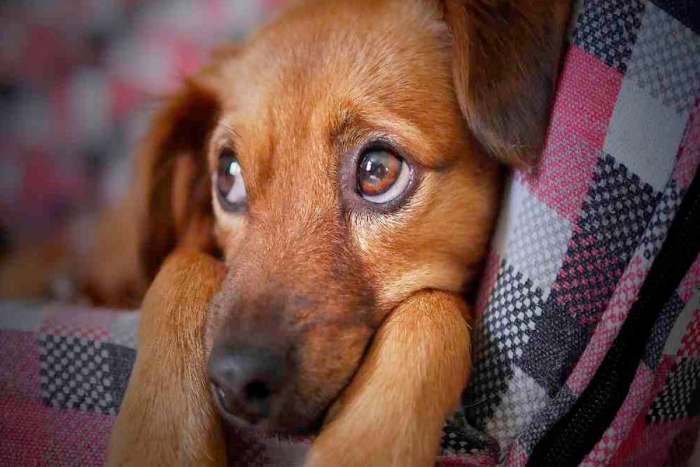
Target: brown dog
{"x": 345, "y": 162}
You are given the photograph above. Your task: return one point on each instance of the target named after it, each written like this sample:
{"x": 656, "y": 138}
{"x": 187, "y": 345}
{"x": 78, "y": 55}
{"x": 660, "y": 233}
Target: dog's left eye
{"x": 230, "y": 187}
{"x": 382, "y": 176}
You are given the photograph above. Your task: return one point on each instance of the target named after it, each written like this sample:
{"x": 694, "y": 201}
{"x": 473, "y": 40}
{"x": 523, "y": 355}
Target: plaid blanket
{"x": 63, "y": 374}
{"x": 575, "y": 245}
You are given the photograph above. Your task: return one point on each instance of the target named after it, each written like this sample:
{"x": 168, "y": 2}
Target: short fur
{"x": 367, "y": 302}
{"x": 166, "y": 416}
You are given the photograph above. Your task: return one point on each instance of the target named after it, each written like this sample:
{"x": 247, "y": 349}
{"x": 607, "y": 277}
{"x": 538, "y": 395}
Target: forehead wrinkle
{"x": 233, "y": 134}
{"x": 288, "y": 178}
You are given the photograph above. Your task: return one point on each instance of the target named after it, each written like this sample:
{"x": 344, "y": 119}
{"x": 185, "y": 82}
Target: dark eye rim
{"x": 350, "y": 192}
{"x": 227, "y": 206}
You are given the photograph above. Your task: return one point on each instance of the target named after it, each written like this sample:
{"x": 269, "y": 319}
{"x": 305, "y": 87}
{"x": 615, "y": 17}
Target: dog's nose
{"x": 245, "y": 380}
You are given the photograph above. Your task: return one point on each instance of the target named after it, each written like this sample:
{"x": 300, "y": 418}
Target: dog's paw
{"x": 393, "y": 410}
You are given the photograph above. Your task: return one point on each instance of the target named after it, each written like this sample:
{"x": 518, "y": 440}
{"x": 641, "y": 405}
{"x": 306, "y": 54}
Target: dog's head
{"x": 341, "y": 160}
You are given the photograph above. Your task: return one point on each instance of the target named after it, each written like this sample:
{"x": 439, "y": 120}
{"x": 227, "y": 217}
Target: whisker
{"x": 476, "y": 404}
{"x": 233, "y": 132}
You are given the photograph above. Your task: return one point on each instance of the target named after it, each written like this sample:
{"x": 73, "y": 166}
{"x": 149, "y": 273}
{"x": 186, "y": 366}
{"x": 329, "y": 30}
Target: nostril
{"x": 221, "y": 395}
{"x": 257, "y": 391}
{"x": 245, "y": 381}
{"x": 225, "y": 400}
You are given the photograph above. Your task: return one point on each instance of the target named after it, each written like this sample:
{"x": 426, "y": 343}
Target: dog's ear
{"x": 175, "y": 201}
{"x": 174, "y": 191}
{"x": 505, "y": 58}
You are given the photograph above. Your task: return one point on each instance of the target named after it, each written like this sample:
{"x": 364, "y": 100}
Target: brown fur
{"x": 351, "y": 292}
{"x": 299, "y": 110}
{"x": 394, "y": 416}
{"x": 167, "y": 417}
{"x": 505, "y": 63}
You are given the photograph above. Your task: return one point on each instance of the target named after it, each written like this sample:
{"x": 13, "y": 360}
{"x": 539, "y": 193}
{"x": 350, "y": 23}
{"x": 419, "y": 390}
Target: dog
{"x": 345, "y": 164}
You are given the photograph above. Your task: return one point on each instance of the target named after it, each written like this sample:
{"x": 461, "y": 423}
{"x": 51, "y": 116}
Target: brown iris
{"x": 378, "y": 171}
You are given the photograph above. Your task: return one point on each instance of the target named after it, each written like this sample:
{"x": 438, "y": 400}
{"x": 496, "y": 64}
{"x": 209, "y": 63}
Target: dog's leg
{"x": 393, "y": 411}
{"x": 167, "y": 417}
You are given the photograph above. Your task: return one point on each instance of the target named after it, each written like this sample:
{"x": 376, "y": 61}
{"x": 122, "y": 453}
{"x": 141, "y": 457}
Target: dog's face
{"x": 344, "y": 182}
{"x": 335, "y": 169}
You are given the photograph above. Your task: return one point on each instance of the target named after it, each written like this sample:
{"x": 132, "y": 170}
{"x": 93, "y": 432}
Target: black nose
{"x": 245, "y": 380}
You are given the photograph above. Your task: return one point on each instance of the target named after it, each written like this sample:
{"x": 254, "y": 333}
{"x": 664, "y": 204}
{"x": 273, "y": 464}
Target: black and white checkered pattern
{"x": 681, "y": 395}
{"x": 514, "y": 310}
{"x": 664, "y": 214}
{"x": 82, "y": 373}
{"x": 458, "y": 438}
{"x": 539, "y": 241}
{"x": 523, "y": 398}
{"x": 666, "y": 60}
{"x": 612, "y": 219}
{"x": 555, "y": 345}
{"x": 608, "y": 29}
{"x": 661, "y": 330}
{"x": 617, "y": 207}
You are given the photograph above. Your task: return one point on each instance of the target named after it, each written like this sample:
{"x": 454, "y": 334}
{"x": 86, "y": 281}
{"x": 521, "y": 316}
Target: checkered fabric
{"x": 63, "y": 374}
{"x": 573, "y": 247}
{"x": 576, "y": 242}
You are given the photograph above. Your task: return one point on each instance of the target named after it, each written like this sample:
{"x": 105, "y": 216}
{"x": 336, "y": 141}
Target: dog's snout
{"x": 246, "y": 381}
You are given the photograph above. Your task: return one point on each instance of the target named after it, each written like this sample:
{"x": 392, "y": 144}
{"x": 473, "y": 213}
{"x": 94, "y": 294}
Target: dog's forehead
{"x": 315, "y": 35}
{"x": 323, "y": 59}
{"x": 330, "y": 77}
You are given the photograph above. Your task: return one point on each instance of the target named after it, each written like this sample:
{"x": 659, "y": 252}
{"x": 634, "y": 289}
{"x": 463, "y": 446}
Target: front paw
{"x": 167, "y": 417}
{"x": 393, "y": 410}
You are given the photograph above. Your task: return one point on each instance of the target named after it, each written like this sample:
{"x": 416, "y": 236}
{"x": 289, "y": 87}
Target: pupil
{"x": 224, "y": 179}
{"x": 376, "y": 170}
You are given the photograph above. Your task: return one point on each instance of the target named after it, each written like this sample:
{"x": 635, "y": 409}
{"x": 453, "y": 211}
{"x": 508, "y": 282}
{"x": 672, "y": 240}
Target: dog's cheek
{"x": 438, "y": 244}
{"x": 229, "y": 232}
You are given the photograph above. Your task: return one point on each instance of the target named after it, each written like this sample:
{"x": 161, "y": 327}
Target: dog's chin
{"x": 270, "y": 427}
{"x": 286, "y": 425}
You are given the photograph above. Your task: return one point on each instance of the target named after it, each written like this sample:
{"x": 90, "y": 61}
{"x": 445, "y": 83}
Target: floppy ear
{"x": 505, "y": 56}
{"x": 174, "y": 191}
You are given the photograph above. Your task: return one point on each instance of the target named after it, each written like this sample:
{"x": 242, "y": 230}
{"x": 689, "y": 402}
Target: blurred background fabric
{"x": 78, "y": 80}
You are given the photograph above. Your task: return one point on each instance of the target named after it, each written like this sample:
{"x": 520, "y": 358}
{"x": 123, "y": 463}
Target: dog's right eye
{"x": 230, "y": 187}
{"x": 382, "y": 176}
